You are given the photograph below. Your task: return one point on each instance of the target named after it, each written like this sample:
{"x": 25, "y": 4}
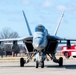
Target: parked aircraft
{"x": 40, "y": 44}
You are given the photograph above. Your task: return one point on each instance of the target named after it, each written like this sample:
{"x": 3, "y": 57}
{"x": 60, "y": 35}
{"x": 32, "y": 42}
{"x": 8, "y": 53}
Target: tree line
{"x": 7, "y": 33}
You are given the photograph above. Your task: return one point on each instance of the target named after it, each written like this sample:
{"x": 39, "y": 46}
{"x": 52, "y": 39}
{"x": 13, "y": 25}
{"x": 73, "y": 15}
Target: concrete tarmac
{"x": 51, "y": 68}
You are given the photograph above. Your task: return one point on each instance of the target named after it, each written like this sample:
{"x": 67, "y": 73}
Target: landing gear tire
{"x": 42, "y": 64}
{"x": 22, "y": 62}
{"x": 60, "y": 61}
{"x": 37, "y": 64}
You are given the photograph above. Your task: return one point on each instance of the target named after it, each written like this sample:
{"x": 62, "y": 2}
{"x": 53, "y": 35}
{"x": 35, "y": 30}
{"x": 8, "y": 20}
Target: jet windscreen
{"x": 40, "y": 28}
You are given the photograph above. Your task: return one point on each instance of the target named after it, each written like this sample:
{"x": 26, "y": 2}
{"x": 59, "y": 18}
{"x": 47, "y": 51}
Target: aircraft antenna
{"x": 27, "y": 23}
{"x": 59, "y": 24}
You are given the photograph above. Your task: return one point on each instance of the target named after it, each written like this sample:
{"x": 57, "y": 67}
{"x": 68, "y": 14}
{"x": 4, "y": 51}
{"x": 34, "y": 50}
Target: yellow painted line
{"x": 7, "y": 59}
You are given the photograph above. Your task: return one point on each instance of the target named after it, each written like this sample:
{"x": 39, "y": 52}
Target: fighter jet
{"x": 40, "y": 44}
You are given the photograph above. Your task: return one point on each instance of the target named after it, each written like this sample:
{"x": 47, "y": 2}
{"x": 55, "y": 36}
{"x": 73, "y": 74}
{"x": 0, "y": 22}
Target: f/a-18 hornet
{"x": 40, "y": 44}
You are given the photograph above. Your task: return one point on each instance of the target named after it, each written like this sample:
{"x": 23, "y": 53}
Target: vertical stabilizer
{"x": 27, "y": 23}
{"x": 55, "y": 33}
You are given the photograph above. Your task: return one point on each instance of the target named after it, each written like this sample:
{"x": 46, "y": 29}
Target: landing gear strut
{"x": 59, "y": 61}
{"x": 37, "y": 60}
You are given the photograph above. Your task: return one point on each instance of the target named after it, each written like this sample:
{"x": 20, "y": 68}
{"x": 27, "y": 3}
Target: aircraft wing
{"x": 16, "y": 39}
{"x": 61, "y": 40}
{"x": 66, "y": 39}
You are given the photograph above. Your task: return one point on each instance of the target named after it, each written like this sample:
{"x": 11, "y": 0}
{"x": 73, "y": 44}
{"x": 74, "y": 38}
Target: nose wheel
{"x": 37, "y": 64}
{"x": 42, "y": 64}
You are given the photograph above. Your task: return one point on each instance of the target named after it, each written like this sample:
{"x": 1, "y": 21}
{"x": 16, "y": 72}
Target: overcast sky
{"x": 46, "y": 12}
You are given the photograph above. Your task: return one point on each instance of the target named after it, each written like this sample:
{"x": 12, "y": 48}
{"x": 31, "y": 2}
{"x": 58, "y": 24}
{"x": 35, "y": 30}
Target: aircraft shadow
{"x": 17, "y": 66}
{"x": 48, "y": 66}
{"x": 64, "y": 66}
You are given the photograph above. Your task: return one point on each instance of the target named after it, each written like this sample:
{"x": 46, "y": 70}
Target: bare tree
{"x": 8, "y": 33}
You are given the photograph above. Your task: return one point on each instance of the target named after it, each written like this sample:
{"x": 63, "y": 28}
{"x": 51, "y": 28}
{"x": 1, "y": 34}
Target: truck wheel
{"x": 66, "y": 54}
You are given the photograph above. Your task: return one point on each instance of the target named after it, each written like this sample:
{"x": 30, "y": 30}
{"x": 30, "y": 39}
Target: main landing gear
{"x": 22, "y": 62}
{"x": 41, "y": 62}
{"x": 59, "y": 61}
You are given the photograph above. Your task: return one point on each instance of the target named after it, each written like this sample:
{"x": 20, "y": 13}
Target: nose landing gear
{"x": 40, "y": 62}
{"x": 37, "y": 64}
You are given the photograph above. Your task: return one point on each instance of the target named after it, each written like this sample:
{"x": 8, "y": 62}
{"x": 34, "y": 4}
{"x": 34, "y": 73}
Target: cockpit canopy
{"x": 40, "y": 28}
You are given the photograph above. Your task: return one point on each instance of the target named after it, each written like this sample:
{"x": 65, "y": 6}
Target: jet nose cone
{"x": 37, "y": 45}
